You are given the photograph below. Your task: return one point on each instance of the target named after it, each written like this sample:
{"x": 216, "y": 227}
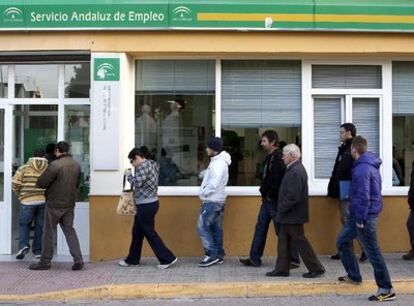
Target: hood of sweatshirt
{"x": 38, "y": 163}
{"x": 223, "y": 155}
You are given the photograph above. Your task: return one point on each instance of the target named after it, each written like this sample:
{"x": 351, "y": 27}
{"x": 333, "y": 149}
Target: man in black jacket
{"x": 273, "y": 172}
{"x": 292, "y": 213}
{"x": 342, "y": 172}
{"x": 410, "y": 221}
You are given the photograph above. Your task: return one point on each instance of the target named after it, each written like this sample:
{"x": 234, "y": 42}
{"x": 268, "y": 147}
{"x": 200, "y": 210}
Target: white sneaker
{"x": 37, "y": 256}
{"x": 123, "y": 263}
{"x": 22, "y": 252}
{"x": 166, "y": 266}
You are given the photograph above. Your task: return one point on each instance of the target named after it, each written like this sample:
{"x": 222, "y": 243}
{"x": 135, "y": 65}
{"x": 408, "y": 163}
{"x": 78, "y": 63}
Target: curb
{"x": 212, "y": 290}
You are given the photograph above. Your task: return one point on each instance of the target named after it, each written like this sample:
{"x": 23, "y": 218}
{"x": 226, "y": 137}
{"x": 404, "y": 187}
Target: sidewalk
{"x": 106, "y": 280}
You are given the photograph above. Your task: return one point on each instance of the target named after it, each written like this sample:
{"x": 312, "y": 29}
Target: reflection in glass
{"x": 35, "y": 127}
{"x": 77, "y": 118}
{"x": 3, "y": 81}
{"x": 174, "y": 116}
{"x": 175, "y": 131}
{"x": 247, "y": 155}
{"x": 77, "y": 80}
{"x": 402, "y": 149}
{"x": 36, "y": 81}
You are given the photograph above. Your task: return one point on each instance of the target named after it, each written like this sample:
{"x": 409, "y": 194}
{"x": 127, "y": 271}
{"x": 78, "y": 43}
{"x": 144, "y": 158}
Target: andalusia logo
{"x": 106, "y": 69}
{"x": 182, "y": 13}
{"x": 13, "y": 14}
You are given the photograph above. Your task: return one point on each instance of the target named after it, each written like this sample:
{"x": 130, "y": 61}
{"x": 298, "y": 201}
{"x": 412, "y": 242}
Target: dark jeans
{"x": 266, "y": 214}
{"x": 144, "y": 227}
{"x": 64, "y": 217}
{"x": 210, "y": 228}
{"x": 294, "y": 234}
{"x": 410, "y": 227}
{"x": 28, "y": 213}
{"x": 368, "y": 239}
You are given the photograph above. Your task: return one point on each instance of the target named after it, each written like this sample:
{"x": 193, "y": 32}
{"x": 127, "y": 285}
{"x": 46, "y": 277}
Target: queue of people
{"x": 47, "y": 191}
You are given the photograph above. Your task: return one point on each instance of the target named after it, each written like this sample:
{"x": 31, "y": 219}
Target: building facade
{"x": 108, "y": 76}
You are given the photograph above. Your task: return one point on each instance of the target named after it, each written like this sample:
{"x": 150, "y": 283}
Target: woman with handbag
{"x": 144, "y": 182}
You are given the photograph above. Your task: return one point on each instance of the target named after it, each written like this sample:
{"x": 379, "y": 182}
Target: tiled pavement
{"x": 17, "y": 279}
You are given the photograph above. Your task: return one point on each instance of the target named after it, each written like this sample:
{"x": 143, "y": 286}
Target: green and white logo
{"x": 182, "y": 13}
{"x": 13, "y": 14}
{"x": 106, "y": 69}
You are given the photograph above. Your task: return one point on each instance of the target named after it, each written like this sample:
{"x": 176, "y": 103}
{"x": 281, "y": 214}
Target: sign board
{"x": 308, "y": 15}
{"x": 105, "y": 109}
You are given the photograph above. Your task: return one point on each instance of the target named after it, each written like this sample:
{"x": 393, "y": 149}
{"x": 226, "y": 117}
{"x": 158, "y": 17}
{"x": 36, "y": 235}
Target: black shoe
{"x": 39, "y": 266}
{"x": 275, "y": 273}
{"x": 314, "y": 274}
{"x": 208, "y": 261}
{"x": 221, "y": 261}
{"x": 78, "y": 266}
{"x": 336, "y": 257}
{"x": 22, "y": 252}
{"x": 346, "y": 279}
{"x": 248, "y": 262}
{"x": 363, "y": 257}
{"x": 409, "y": 255}
{"x": 294, "y": 265}
{"x": 382, "y": 297}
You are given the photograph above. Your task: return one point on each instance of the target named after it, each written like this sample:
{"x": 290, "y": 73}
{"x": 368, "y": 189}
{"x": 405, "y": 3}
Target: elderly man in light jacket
{"x": 213, "y": 196}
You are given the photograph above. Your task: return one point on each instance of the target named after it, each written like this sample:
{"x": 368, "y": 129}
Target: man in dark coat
{"x": 342, "y": 172}
{"x": 273, "y": 172}
{"x": 292, "y": 213}
{"x": 366, "y": 204}
{"x": 61, "y": 180}
{"x": 410, "y": 221}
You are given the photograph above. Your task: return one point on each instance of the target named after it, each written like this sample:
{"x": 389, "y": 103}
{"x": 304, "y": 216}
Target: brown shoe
{"x": 78, "y": 266}
{"x": 39, "y": 266}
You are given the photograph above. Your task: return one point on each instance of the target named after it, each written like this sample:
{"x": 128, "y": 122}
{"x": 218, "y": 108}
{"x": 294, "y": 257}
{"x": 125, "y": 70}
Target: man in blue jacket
{"x": 366, "y": 204}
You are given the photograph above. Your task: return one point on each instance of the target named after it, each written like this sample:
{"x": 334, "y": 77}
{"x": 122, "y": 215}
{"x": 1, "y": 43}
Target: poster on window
{"x": 105, "y": 111}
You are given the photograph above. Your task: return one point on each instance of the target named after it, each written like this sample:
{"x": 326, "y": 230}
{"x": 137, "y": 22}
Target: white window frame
{"x": 316, "y": 187}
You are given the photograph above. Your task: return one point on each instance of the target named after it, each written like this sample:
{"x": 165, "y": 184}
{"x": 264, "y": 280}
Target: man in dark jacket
{"x": 273, "y": 172}
{"x": 342, "y": 171}
{"x": 366, "y": 204}
{"x": 410, "y": 221}
{"x": 61, "y": 180}
{"x": 292, "y": 213}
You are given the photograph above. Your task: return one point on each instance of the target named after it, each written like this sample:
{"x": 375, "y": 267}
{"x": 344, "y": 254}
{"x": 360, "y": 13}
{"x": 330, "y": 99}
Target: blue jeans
{"x": 210, "y": 228}
{"x": 368, "y": 238}
{"x": 266, "y": 214}
{"x": 28, "y": 213}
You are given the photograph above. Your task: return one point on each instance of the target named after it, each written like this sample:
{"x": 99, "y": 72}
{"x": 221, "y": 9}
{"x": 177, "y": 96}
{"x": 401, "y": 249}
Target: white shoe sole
{"x": 163, "y": 267}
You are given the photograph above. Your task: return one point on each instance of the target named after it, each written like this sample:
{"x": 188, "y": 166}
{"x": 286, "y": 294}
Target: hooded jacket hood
{"x": 39, "y": 164}
{"x": 370, "y": 159}
{"x": 215, "y": 179}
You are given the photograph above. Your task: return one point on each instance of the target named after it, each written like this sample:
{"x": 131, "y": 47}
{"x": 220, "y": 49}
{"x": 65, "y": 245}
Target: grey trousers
{"x": 64, "y": 217}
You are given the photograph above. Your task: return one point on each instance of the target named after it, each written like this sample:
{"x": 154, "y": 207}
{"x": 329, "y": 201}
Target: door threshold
{"x": 31, "y": 258}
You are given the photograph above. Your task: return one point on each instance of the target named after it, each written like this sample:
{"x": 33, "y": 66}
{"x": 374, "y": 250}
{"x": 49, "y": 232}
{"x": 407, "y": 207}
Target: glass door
{"x": 35, "y": 126}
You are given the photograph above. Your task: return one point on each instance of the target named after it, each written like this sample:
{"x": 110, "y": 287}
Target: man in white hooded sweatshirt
{"x": 213, "y": 197}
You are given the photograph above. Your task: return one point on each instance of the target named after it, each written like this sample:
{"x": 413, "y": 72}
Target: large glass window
{"x": 174, "y": 108}
{"x": 3, "y": 81}
{"x": 36, "y": 81}
{"x": 256, "y": 96}
{"x": 403, "y": 122}
{"x": 77, "y": 119}
{"x": 77, "y": 80}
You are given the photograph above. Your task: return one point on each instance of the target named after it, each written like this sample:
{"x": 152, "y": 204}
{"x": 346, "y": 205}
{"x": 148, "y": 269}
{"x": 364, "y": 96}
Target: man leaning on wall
{"x": 342, "y": 173}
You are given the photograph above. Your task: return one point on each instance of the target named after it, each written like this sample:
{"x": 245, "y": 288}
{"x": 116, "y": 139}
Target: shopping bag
{"x": 126, "y": 203}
